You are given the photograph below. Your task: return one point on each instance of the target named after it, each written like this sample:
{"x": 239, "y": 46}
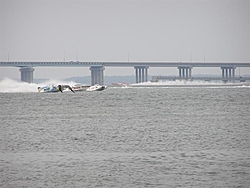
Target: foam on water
{"x": 12, "y": 86}
{"x": 184, "y": 83}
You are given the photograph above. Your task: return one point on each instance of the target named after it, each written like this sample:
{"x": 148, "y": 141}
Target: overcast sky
{"x": 112, "y": 30}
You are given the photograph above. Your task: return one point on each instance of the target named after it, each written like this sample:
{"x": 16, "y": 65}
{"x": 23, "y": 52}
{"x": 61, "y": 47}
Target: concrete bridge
{"x": 141, "y": 68}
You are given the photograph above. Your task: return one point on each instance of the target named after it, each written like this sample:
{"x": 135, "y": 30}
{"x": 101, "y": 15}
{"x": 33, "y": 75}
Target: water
{"x": 126, "y": 137}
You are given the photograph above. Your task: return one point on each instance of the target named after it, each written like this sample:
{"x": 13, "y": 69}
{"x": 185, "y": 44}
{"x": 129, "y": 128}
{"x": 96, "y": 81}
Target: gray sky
{"x": 109, "y": 30}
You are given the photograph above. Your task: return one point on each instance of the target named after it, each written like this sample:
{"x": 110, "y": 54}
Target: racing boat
{"x": 51, "y": 88}
{"x": 96, "y": 87}
{"x": 80, "y": 87}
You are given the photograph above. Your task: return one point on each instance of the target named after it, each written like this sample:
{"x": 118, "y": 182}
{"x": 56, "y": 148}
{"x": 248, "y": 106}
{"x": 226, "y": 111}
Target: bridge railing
{"x": 123, "y": 64}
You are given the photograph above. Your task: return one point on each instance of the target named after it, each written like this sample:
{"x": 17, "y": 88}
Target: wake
{"x": 13, "y": 86}
{"x": 184, "y": 83}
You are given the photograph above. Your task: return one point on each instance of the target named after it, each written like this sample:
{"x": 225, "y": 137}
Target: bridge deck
{"x": 123, "y": 64}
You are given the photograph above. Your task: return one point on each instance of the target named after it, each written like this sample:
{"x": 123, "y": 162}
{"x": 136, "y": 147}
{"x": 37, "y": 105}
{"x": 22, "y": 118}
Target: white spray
{"x": 12, "y": 86}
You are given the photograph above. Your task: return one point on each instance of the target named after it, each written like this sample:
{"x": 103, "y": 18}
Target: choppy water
{"x": 126, "y": 137}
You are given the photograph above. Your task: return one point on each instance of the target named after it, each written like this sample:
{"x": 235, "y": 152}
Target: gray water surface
{"x": 126, "y": 137}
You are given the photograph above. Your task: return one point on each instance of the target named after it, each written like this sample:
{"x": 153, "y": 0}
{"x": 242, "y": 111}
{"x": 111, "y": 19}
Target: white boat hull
{"x": 96, "y": 87}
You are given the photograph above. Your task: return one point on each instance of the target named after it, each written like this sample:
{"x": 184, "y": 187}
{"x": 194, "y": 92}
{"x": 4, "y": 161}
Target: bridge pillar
{"x": 185, "y": 72}
{"x": 140, "y": 78}
{"x": 190, "y": 73}
{"x": 27, "y": 74}
{"x": 97, "y": 74}
{"x": 223, "y": 72}
{"x": 228, "y": 73}
{"x": 141, "y": 74}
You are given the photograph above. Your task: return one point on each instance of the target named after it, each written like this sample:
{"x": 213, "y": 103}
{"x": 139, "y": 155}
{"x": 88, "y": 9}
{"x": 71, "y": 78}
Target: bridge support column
{"x": 97, "y": 76}
{"x": 185, "y": 72}
{"x": 223, "y": 72}
{"x": 190, "y": 73}
{"x": 228, "y": 74}
{"x": 140, "y": 78}
{"x": 141, "y": 74}
{"x": 27, "y": 74}
{"x": 136, "y": 75}
{"x": 233, "y": 73}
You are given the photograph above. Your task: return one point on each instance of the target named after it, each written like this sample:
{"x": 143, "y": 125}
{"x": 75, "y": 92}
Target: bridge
{"x": 141, "y": 68}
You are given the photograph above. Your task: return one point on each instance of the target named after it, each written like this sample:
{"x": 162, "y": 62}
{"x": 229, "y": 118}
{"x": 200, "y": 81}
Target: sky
{"x": 118, "y": 30}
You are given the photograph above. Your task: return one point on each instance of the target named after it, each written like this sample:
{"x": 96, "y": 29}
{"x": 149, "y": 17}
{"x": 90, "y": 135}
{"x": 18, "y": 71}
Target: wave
{"x": 13, "y": 86}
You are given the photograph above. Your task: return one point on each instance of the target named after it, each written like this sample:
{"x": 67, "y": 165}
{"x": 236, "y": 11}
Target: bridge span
{"x": 141, "y": 68}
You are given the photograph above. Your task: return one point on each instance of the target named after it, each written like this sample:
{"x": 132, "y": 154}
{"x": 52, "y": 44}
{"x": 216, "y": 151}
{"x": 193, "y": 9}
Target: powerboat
{"x": 52, "y": 88}
{"x": 97, "y": 87}
{"x": 80, "y": 87}
{"x": 49, "y": 88}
